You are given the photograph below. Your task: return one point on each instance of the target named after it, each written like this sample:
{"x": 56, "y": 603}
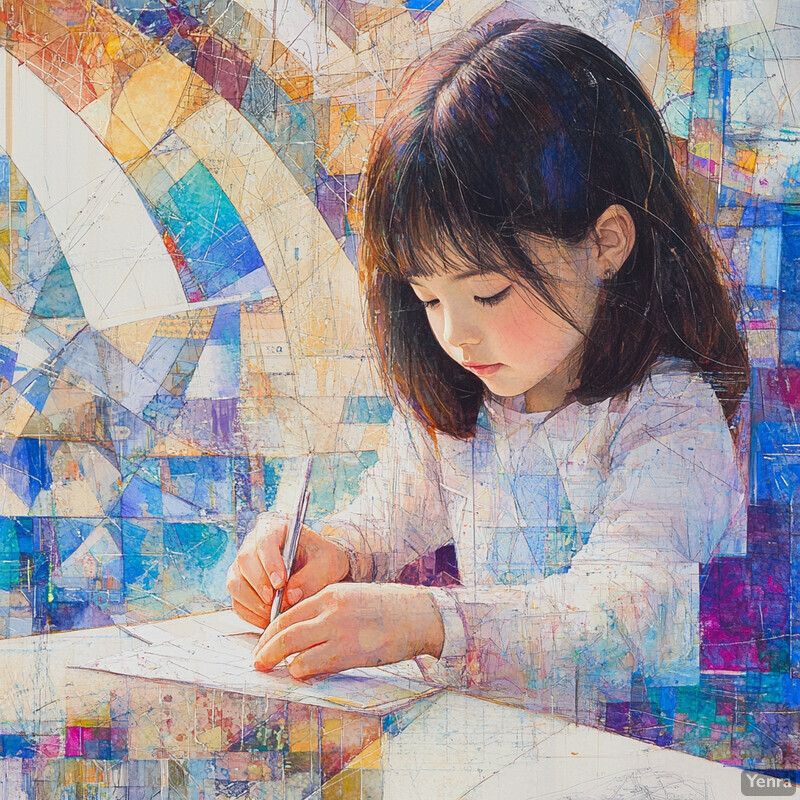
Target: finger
{"x": 248, "y": 616}
{"x": 252, "y": 571}
{"x": 243, "y": 593}
{"x": 306, "y": 609}
{"x": 270, "y": 534}
{"x": 324, "y": 659}
{"x": 291, "y": 596}
{"x": 294, "y": 639}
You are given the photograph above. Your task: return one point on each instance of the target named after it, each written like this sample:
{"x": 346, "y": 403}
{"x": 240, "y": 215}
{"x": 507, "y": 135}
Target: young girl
{"x": 564, "y": 359}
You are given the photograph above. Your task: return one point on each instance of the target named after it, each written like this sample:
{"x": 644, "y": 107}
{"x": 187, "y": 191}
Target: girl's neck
{"x": 552, "y": 391}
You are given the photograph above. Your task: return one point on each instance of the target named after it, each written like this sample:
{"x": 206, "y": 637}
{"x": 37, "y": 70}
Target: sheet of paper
{"x": 225, "y": 662}
{"x": 193, "y": 626}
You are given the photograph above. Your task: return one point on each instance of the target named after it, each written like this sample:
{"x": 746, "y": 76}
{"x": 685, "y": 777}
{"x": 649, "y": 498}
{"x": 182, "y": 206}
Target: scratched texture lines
{"x": 179, "y": 312}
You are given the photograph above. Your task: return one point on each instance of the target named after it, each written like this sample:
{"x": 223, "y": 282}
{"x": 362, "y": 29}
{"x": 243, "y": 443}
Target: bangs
{"x": 422, "y": 222}
{"x": 425, "y": 244}
{"x": 465, "y": 166}
{"x": 431, "y": 212}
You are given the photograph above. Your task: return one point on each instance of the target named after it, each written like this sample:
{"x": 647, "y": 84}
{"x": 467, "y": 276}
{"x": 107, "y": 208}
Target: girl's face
{"x": 503, "y": 332}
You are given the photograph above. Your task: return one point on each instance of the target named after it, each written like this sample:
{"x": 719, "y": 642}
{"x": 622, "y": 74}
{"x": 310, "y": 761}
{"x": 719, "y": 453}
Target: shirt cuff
{"x": 450, "y": 668}
{"x": 456, "y": 636}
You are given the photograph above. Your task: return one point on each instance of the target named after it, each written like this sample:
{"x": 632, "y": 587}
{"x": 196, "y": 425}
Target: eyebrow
{"x": 460, "y": 276}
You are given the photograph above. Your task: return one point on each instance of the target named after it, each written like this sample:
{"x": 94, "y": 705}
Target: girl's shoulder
{"x": 670, "y": 383}
{"x": 675, "y": 399}
{"x": 672, "y": 403}
{"x": 674, "y": 393}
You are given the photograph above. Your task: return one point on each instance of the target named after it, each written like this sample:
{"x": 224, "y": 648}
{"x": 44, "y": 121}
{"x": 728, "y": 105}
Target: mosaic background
{"x": 179, "y": 307}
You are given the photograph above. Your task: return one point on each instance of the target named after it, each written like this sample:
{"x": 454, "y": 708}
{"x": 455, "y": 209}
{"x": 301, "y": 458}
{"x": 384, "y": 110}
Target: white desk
{"x": 464, "y": 747}
{"x": 449, "y": 746}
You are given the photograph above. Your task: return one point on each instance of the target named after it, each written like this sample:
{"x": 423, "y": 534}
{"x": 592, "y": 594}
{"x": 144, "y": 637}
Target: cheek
{"x": 524, "y": 326}
{"x": 542, "y": 333}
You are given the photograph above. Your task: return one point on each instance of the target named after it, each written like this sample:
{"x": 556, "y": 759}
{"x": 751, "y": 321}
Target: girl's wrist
{"x": 359, "y": 568}
{"x": 346, "y": 564}
{"x": 350, "y": 568}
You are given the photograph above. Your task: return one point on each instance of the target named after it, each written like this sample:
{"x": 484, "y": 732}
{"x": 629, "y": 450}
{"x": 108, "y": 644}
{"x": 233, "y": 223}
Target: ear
{"x": 613, "y": 236}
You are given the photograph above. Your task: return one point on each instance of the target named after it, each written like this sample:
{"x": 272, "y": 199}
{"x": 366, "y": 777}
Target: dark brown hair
{"x": 529, "y": 127}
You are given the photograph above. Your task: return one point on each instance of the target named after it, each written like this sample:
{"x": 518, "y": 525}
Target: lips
{"x": 482, "y": 370}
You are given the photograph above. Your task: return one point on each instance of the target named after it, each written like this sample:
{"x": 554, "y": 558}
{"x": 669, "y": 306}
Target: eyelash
{"x": 484, "y": 301}
{"x": 495, "y": 298}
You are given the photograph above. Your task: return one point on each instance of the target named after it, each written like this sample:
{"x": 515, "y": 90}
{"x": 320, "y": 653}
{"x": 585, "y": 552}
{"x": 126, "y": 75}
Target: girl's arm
{"x": 398, "y": 514}
{"x": 630, "y": 600}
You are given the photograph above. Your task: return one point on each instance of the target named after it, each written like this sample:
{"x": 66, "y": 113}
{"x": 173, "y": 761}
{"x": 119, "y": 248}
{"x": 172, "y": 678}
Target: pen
{"x": 292, "y": 538}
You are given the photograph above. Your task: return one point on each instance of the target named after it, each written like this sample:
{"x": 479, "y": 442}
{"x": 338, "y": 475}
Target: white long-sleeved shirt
{"x": 578, "y": 534}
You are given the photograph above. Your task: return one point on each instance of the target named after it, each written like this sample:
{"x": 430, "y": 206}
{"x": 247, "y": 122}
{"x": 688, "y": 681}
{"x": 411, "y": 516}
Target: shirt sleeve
{"x": 630, "y": 601}
{"x": 399, "y": 513}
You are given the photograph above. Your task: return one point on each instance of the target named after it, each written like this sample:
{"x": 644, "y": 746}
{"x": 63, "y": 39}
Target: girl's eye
{"x": 428, "y": 303}
{"x": 495, "y": 298}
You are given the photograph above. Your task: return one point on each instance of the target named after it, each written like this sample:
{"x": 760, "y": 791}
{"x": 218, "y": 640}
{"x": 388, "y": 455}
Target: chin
{"x": 513, "y": 386}
{"x": 505, "y": 388}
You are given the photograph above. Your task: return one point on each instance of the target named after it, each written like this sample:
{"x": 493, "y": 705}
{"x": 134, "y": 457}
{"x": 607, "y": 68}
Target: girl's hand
{"x": 353, "y": 625}
{"x": 258, "y": 571}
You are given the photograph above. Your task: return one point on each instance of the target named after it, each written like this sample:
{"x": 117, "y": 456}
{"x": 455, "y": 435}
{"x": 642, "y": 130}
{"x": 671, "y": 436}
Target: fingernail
{"x": 275, "y": 579}
{"x": 294, "y": 595}
{"x": 257, "y": 662}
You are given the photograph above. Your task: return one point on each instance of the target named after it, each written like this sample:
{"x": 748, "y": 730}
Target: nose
{"x": 459, "y": 330}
